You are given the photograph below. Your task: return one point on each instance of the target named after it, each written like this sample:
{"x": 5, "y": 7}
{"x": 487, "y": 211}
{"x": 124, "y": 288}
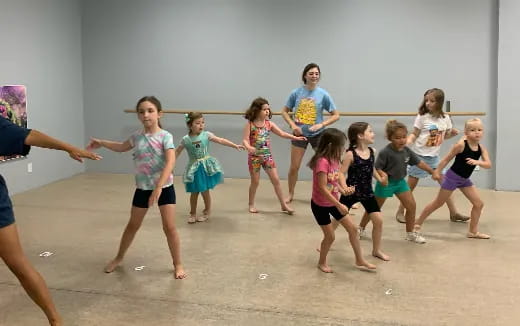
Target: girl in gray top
{"x": 391, "y": 164}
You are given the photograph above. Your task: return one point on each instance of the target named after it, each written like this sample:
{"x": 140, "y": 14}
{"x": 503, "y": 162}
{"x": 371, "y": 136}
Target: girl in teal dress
{"x": 203, "y": 172}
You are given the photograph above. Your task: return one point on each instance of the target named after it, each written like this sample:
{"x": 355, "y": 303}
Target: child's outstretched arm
{"x": 165, "y": 174}
{"x": 39, "y": 139}
{"x": 225, "y": 142}
{"x": 245, "y": 139}
{"x": 450, "y": 133}
{"x": 428, "y": 169}
{"x": 484, "y": 162}
{"x": 178, "y": 150}
{"x": 111, "y": 145}
{"x": 413, "y": 136}
{"x": 284, "y": 134}
{"x": 455, "y": 149}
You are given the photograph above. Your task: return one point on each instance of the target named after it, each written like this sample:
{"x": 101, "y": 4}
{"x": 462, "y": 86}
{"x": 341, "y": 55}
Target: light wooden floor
{"x": 450, "y": 280}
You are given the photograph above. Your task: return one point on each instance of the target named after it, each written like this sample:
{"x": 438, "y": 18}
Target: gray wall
{"x": 41, "y": 48}
{"x": 508, "y": 113}
{"x": 375, "y": 55}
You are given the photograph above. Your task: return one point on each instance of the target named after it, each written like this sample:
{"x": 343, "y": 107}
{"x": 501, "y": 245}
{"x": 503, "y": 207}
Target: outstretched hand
{"x": 94, "y": 143}
{"x": 78, "y": 155}
{"x": 240, "y": 147}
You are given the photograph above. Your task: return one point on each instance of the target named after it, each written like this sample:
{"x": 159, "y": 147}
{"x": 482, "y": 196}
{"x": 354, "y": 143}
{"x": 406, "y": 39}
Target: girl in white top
{"x": 431, "y": 127}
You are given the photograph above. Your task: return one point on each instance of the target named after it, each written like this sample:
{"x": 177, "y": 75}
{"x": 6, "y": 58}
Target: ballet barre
{"x": 343, "y": 114}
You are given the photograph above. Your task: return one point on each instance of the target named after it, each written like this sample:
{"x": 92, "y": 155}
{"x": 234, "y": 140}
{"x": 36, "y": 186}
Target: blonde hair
{"x": 470, "y": 122}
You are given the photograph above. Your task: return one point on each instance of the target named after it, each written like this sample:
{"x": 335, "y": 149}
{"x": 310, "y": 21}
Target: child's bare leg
{"x": 365, "y": 219}
{"x": 12, "y": 254}
{"x": 275, "y": 180}
{"x": 377, "y": 233}
{"x": 255, "y": 181}
{"x": 473, "y": 196}
{"x": 412, "y": 183}
{"x": 441, "y": 198}
{"x": 136, "y": 219}
{"x": 407, "y": 200}
{"x": 194, "y": 198}
{"x": 172, "y": 236}
{"x": 206, "y": 196}
{"x": 354, "y": 242}
{"x": 297, "y": 154}
{"x": 335, "y": 224}
{"x": 328, "y": 239}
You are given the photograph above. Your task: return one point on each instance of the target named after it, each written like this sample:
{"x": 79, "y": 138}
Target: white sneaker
{"x": 415, "y": 237}
{"x": 362, "y": 233}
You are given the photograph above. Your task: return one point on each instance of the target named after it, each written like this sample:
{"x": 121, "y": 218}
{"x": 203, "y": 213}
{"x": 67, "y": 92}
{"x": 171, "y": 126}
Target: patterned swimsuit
{"x": 259, "y": 138}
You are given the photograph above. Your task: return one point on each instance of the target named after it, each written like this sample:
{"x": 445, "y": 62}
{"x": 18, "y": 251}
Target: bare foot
{"x": 287, "y": 209}
{"x": 179, "y": 272}
{"x": 365, "y": 266}
{"x": 325, "y": 268}
{"x": 109, "y": 268}
{"x": 252, "y": 209}
{"x": 381, "y": 255}
{"x": 289, "y": 199}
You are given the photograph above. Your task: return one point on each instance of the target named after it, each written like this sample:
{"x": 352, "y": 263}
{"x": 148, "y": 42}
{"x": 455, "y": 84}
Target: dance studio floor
{"x": 258, "y": 269}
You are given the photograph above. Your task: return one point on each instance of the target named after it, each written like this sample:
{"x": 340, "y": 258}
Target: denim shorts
{"x": 6, "y": 207}
{"x": 393, "y": 187}
{"x": 416, "y": 172}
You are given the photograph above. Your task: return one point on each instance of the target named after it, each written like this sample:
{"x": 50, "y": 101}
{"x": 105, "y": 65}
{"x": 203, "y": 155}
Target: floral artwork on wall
{"x": 13, "y": 106}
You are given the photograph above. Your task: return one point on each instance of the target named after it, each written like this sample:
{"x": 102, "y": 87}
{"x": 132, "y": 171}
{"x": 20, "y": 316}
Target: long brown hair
{"x": 353, "y": 131}
{"x": 438, "y": 95}
{"x": 330, "y": 146}
{"x": 255, "y": 107}
{"x": 152, "y": 99}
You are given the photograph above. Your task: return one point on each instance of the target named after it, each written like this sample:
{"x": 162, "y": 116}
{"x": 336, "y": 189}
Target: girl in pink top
{"x": 327, "y": 183}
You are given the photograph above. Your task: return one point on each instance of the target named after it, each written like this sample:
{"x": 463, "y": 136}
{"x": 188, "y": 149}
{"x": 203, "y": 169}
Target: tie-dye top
{"x": 149, "y": 157}
{"x": 259, "y": 138}
{"x": 308, "y": 107}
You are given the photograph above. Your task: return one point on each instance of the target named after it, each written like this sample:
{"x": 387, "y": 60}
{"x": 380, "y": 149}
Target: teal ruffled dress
{"x": 203, "y": 171}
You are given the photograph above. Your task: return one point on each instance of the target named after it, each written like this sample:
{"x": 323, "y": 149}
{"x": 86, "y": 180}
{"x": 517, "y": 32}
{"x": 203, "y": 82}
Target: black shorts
{"x": 322, "y": 213}
{"x": 310, "y": 140}
{"x": 141, "y": 197}
{"x": 370, "y": 204}
{"x": 6, "y": 207}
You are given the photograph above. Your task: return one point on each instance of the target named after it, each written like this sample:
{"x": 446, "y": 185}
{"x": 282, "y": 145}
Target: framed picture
{"x": 13, "y": 106}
